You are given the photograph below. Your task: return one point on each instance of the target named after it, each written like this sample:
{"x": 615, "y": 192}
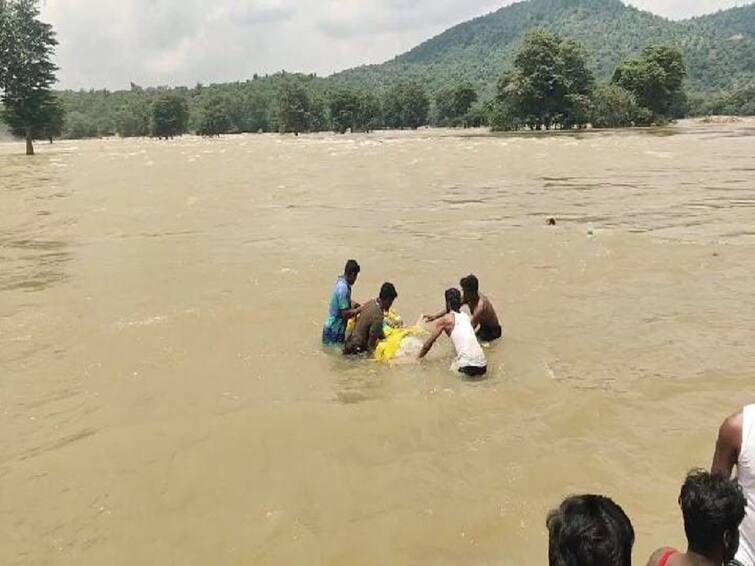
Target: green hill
{"x": 719, "y": 48}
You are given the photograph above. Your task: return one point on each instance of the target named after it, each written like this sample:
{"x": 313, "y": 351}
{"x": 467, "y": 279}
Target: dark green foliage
{"x": 79, "y": 126}
{"x": 299, "y": 108}
{"x": 740, "y": 102}
{"x": 216, "y": 116}
{"x": 133, "y": 119}
{"x": 719, "y": 52}
{"x": 549, "y": 86}
{"x": 170, "y": 116}
{"x": 453, "y": 105}
{"x": 655, "y": 79}
{"x": 48, "y": 123}
{"x": 719, "y": 49}
{"x": 615, "y": 107}
{"x": 406, "y": 105}
{"x": 26, "y": 71}
{"x": 352, "y": 109}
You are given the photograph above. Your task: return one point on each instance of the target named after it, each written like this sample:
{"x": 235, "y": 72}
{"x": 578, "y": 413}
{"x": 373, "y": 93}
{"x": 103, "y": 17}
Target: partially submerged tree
{"x": 406, "y": 105}
{"x": 549, "y": 86}
{"x": 656, "y": 79}
{"x": 27, "y": 72}
{"x": 170, "y": 116}
{"x": 453, "y": 104}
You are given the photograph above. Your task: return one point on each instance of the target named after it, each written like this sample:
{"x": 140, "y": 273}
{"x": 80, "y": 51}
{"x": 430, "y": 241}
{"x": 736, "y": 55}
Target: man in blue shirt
{"x": 341, "y": 308}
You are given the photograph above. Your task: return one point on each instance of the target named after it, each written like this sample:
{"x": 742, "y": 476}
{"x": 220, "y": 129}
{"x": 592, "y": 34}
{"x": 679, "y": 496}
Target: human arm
{"x": 478, "y": 313}
{"x": 440, "y": 327}
{"x": 434, "y": 317}
{"x": 728, "y": 445}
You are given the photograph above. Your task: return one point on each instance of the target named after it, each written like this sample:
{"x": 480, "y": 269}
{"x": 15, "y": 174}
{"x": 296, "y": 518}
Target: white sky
{"x": 108, "y": 43}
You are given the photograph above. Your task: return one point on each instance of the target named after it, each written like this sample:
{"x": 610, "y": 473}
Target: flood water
{"x": 164, "y": 397}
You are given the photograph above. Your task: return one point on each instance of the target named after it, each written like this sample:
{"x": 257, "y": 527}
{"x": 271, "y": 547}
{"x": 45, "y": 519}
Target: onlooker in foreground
{"x": 736, "y": 447}
{"x": 589, "y": 530}
{"x": 470, "y": 359}
{"x": 713, "y": 507}
{"x": 341, "y": 307}
{"x": 369, "y": 327}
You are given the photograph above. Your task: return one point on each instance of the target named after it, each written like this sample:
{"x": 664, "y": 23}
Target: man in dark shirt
{"x": 369, "y": 327}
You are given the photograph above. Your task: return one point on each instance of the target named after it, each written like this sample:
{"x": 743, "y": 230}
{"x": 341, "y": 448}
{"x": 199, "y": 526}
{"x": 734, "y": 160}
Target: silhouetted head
{"x": 453, "y": 300}
{"x": 388, "y": 294}
{"x": 713, "y": 507}
{"x": 589, "y": 530}
{"x": 351, "y": 271}
{"x": 471, "y": 287}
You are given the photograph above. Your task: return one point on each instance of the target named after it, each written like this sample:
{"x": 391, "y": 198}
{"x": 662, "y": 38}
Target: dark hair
{"x": 352, "y": 268}
{"x": 711, "y": 505}
{"x": 388, "y": 292}
{"x": 453, "y": 299}
{"x": 589, "y": 530}
{"x": 470, "y": 283}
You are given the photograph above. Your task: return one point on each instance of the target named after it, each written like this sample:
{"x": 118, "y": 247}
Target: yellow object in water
{"x": 389, "y": 348}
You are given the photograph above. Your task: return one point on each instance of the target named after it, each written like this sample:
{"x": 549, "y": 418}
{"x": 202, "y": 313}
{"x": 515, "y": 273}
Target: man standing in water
{"x": 470, "y": 359}
{"x": 736, "y": 447}
{"x": 341, "y": 308}
{"x": 484, "y": 317}
{"x": 369, "y": 328}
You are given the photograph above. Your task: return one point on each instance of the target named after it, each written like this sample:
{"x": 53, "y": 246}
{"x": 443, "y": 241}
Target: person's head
{"x": 453, "y": 300}
{"x": 351, "y": 271}
{"x": 470, "y": 285}
{"x": 589, "y": 530}
{"x": 388, "y": 294}
{"x": 713, "y": 507}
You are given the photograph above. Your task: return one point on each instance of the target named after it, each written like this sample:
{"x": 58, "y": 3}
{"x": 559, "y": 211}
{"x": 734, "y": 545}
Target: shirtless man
{"x": 484, "y": 317}
{"x": 470, "y": 359}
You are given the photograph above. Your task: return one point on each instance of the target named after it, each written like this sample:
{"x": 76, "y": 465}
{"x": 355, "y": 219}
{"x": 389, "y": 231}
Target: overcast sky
{"x": 108, "y": 43}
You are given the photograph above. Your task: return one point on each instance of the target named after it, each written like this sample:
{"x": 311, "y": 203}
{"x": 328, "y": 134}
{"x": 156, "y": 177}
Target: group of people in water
{"x": 718, "y": 514}
{"x": 466, "y": 331}
{"x": 586, "y": 530}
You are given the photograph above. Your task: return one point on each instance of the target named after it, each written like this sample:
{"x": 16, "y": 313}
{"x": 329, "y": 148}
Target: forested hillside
{"x": 455, "y": 79}
{"x": 719, "y": 49}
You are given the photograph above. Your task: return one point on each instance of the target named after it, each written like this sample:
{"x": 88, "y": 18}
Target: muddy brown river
{"x": 164, "y": 397}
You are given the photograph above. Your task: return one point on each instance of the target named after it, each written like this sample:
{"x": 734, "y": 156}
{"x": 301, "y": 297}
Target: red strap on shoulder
{"x": 666, "y": 557}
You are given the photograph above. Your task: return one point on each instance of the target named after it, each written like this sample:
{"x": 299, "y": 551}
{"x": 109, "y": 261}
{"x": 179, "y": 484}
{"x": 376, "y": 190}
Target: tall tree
{"x": 656, "y": 79}
{"x": 170, "y": 116}
{"x": 26, "y": 70}
{"x": 133, "y": 119}
{"x": 452, "y": 104}
{"x": 293, "y": 106}
{"x": 406, "y": 105}
{"x": 550, "y": 82}
{"x": 352, "y": 109}
{"x": 215, "y": 116}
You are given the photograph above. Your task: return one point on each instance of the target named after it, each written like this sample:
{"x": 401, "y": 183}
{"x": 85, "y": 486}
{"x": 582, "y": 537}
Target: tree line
{"x": 549, "y": 86}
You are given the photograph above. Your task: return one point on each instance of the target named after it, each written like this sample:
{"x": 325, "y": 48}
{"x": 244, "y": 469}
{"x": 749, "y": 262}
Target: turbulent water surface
{"x": 164, "y": 398}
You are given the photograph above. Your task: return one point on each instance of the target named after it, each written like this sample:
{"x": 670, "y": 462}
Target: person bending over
{"x": 589, "y": 530}
{"x": 736, "y": 447}
{"x": 484, "y": 317}
{"x": 713, "y": 507}
{"x": 470, "y": 359}
{"x": 341, "y": 307}
{"x": 369, "y": 327}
